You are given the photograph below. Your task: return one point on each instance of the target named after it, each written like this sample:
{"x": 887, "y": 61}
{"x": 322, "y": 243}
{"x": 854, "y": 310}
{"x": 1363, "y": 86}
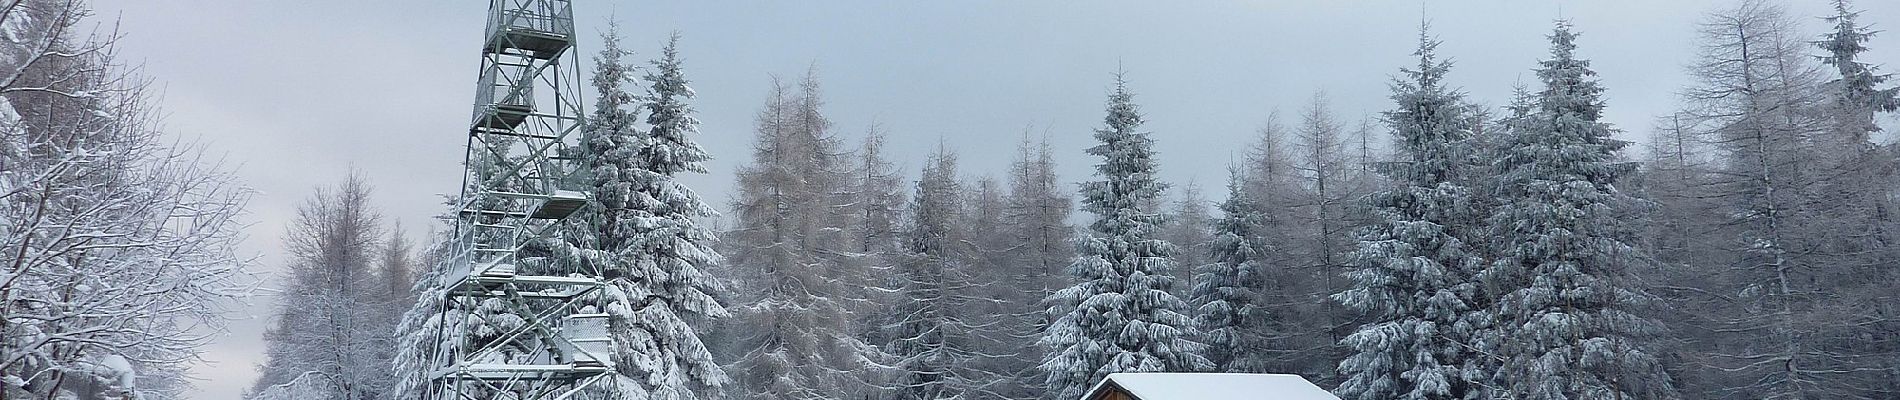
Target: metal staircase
{"x": 516, "y": 326}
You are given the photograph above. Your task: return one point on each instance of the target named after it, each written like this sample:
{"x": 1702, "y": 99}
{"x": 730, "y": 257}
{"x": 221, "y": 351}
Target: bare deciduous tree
{"x": 117, "y": 246}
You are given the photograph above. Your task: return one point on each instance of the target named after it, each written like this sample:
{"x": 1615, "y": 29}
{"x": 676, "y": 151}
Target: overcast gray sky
{"x": 300, "y": 92}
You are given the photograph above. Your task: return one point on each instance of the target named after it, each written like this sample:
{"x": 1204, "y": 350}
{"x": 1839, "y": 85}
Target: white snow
{"x": 118, "y": 367}
{"x": 1215, "y": 386}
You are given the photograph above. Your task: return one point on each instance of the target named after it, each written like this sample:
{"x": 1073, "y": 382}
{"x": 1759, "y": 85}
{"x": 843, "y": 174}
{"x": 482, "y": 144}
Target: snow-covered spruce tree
{"x": 605, "y": 155}
{"x": 1120, "y": 315}
{"x": 1857, "y": 95}
{"x": 1563, "y": 273}
{"x": 329, "y": 320}
{"x": 416, "y": 333}
{"x": 649, "y": 223}
{"x": 1857, "y": 173}
{"x": 1410, "y": 275}
{"x": 792, "y": 335}
{"x": 600, "y": 238}
{"x": 118, "y": 246}
{"x": 641, "y": 230}
{"x": 1235, "y": 324}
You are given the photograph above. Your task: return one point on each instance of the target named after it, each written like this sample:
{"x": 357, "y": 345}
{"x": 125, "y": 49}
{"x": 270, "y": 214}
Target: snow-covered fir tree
{"x": 600, "y": 238}
{"x": 416, "y": 340}
{"x": 645, "y": 229}
{"x": 1235, "y": 322}
{"x": 1121, "y": 314}
{"x": 1410, "y": 275}
{"x": 1857, "y": 92}
{"x": 1566, "y": 301}
{"x": 920, "y": 344}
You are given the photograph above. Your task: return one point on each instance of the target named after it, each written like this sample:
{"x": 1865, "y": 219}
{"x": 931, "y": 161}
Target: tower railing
{"x": 533, "y": 28}
{"x": 547, "y": 16}
{"x": 515, "y": 324}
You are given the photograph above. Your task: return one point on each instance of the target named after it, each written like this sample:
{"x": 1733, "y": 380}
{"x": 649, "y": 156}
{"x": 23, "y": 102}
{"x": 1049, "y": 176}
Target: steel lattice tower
{"x": 515, "y": 325}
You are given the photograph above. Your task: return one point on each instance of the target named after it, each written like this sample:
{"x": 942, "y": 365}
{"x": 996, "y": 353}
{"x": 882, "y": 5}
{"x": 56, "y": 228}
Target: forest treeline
{"x": 1514, "y": 252}
{"x": 1441, "y": 249}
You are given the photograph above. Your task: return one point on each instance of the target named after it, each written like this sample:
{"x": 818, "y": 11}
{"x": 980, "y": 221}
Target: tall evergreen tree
{"x": 1856, "y": 173}
{"x": 1565, "y": 310}
{"x": 655, "y": 223}
{"x": 1235, "y": 323}
{"x": 1410, "y": 275}
{"x": 1857, "y": 95}
{"x": 641, "y": 230}
{"x": 1862, "y": 184}
{"x": 1120, "y": 315}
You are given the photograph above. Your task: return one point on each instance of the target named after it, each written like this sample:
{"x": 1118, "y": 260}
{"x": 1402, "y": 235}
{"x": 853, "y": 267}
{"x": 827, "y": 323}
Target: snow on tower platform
{"x": 560, "y": 204}
{"x": 1206, "y": 386}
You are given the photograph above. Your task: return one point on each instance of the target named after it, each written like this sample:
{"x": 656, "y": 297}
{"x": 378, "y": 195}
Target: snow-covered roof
{"x": 1211, "y": 386}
